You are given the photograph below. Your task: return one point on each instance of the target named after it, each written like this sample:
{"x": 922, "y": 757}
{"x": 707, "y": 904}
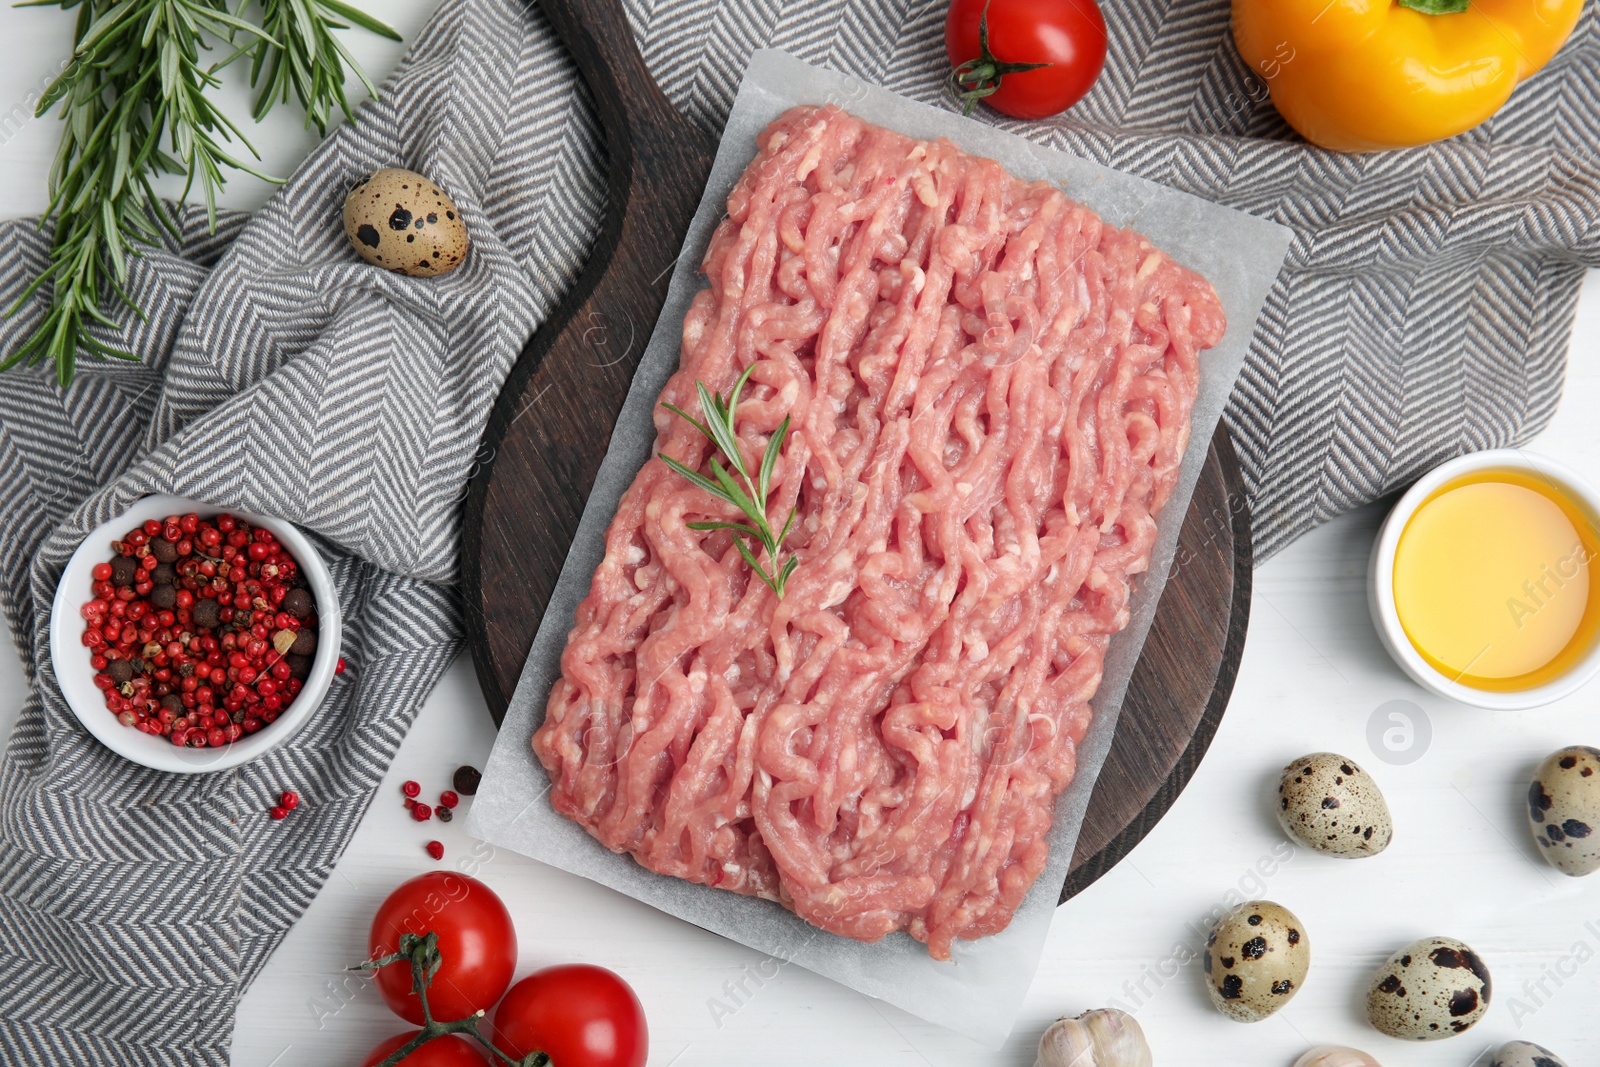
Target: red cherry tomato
{"x": 580, "y": 1016}
{"x": 477, "y": 945}
{"x": 1069, "y": 35}
{"x": 452, "y": 1050}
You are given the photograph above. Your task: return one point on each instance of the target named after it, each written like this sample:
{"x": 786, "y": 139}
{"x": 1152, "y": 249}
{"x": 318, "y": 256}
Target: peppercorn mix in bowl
{"x": 193, "y": 639}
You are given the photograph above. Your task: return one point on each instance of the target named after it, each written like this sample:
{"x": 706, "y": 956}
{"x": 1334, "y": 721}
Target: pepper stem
{"x": 979, "y": 78}
{"x": 1437, "y": 7}
{"x": 422, "y": 952}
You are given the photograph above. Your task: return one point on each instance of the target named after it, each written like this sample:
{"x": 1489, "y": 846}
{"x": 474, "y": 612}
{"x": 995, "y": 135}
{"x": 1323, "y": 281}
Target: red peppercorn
{"x": 421, "y": 812}
{"x": 290, "y": 799}
{"x": 102, "y": 572}
{"x": 449, "y": 798}
{"x": 338, "y": 668}
{"x": 280, "y": 813}
{"x": 411, "y": 789}
{"x": 436, "y": 850}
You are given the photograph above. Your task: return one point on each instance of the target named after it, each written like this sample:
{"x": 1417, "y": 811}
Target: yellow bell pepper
{"x": 1365, "y": 75}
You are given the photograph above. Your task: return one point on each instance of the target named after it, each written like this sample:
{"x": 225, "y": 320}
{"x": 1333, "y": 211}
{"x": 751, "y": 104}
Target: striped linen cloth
{"x": 1424, "y": 312}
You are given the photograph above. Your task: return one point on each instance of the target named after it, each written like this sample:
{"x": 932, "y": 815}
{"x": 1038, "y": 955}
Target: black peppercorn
{"x": 124, "y": 569}
{"x": 299, "y": 666}
{"x": 466, "y": 780}
{"x": 173, "y": 703}
{"x": 298, "y": 603}
{"x": 164, "y": 597}
{"x": 121, "y": 671}
{"x": 164, "y": 574}
{"x": 163, "y": 550}
{"x": 444, "y": 814}
{"x": 305, "y": 643}
{"x": 207, "y": 613}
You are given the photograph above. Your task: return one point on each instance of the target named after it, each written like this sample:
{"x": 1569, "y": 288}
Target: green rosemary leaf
{"x": 735, "y": 492}
{"x": 690, "y": 419}
{"x": 769, "y": 459}
{"x": 737, "y": 527}
{"x": 697, "y": 478}
{"x": 361, "y": 18}
{"x": 719, "y": 427}
{"x": 750, "y": 559}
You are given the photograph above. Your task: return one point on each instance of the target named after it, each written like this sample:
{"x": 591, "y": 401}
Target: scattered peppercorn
{"x": 338, "y": 668}
{"x": 436, "y": 850}
{"x": 444, "y": 814}
{"x": 411, "y": 789}
{"x": 290, "y": 800}
{"x": 448, "y": 799}
{"x": 280, "y": 813}
{"x": 466, "y": 780}
{"x": 421, "y": 812}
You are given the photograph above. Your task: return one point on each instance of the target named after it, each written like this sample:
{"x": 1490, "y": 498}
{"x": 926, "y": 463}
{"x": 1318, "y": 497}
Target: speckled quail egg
{"x": 1525, "y": 1054}
{"x": 1564, "y": 809}
{"x": 404, "y": 222}
{"x": 1328, "y": 803}
{"x": 1336, "y": 1056}
{"x": 1255, "y": 960}
{"x": 1431, "y": 989}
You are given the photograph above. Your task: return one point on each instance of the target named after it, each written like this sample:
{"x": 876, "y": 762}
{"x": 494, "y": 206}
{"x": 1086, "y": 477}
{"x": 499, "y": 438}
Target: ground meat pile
{"x": 990, "y": 393}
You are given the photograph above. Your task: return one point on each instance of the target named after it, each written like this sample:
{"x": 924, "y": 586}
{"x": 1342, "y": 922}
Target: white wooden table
{"x": 1313, "y": 676}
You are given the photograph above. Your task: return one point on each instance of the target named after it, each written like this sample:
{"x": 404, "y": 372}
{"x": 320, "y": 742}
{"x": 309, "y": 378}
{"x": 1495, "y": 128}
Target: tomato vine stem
{"x": 422, "y": 953}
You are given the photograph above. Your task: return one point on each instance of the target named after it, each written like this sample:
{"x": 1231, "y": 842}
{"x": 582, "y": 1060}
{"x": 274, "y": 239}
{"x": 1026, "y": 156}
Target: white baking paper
{"x": 980, "y": 993}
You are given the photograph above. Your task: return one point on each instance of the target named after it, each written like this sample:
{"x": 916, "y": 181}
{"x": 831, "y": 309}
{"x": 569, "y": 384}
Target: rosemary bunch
{"x": 135, "y": 105}
{"x": 751, "y": 496}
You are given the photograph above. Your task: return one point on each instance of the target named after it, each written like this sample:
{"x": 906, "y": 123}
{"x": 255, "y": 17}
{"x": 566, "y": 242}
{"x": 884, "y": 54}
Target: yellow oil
{"x": 1491, "y": 580}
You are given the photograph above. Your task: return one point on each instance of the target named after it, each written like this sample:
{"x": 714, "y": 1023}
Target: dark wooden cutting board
{"x": 552, "y": 422}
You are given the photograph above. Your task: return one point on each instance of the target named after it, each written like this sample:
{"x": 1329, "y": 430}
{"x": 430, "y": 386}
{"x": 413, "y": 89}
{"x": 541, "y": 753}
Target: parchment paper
{"x": 981, "y": 991}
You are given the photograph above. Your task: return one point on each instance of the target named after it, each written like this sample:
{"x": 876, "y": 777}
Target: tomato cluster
{"x": 578, "y": 1015}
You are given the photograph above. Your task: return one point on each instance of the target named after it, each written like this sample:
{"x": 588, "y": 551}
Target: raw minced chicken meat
{"x": 989, "y": 390}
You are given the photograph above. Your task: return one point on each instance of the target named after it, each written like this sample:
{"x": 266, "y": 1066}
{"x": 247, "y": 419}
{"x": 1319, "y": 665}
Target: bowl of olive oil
{"x": 1480, "y": 580}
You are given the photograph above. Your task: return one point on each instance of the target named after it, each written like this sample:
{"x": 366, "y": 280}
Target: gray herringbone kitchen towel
{"x": 1424, "y": 312}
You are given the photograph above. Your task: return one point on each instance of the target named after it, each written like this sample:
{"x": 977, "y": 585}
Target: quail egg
{"x": 1336, "y": 1056}
{"x": 1255, "y": 960}
{"x": 1564, "y": 809}
{"x": 1525, "y": 1054}
{"x": 402, "y": 221}
{"x": 1328, "y": 803}
{"x": 1431, "y": 989}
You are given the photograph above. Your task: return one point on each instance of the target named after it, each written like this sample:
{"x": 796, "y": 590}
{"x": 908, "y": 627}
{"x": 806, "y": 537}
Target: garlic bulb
{"x": 1104, "y": 1037}
{"x": 1336, "y": 1056}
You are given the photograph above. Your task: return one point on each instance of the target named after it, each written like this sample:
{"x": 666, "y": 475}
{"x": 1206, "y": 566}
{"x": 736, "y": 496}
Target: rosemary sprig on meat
{"x": 135, "y": 104}
{"x": 751, "y": 496}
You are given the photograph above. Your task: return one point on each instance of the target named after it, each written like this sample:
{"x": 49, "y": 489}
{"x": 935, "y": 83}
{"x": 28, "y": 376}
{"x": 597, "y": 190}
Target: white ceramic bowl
{"x": 76, "y": 676}
{"x": 1380, "y": 581}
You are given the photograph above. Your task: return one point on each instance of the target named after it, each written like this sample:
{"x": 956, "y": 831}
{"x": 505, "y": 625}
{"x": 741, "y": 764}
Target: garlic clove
{"x": 1336, "y": 1056}
{"x": 1104, "y": 1037}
